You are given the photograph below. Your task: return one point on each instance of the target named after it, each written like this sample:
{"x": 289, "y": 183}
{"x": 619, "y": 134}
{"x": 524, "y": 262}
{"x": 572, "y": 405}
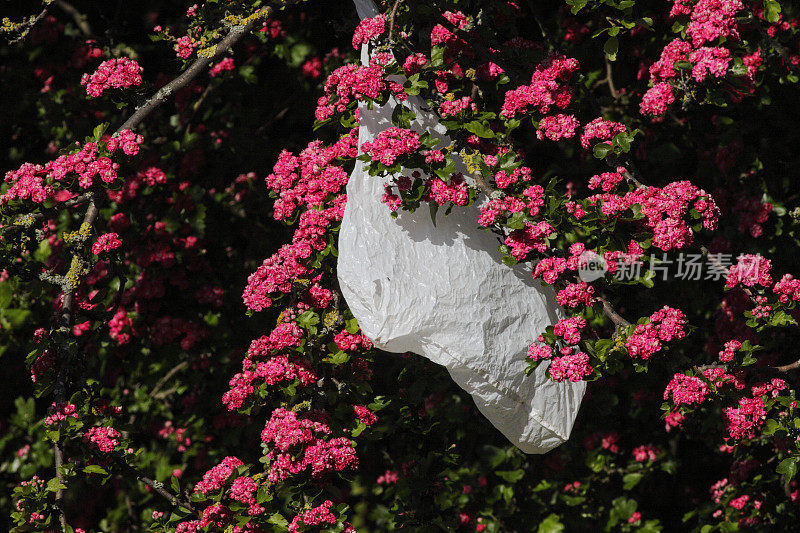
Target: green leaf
{"x": 279, "y": 521}
{"x": 611, "y": 48}
{"x": 434, "y": 208}
{"x": 782, "y": 318}
{"x": 601, "y": 150}
{"x": 479, "y": 129}
{"x": 338, "y": 358}
{"x": 359, "y": 429}
{"x": 788, "y": 467}
{"x": 308, "y": 319}
{"x": 771, "y": 427}
{"x": 577, "y": 5}
{"x": 516, "y": 221}
{"x": 512, "y": 476}
{"x": 437, "y": 56}
{"x": 631, "y": 480}
{"x": 772, "y": 9}
{"x": 95, "y": 469}
{"x": 55, "y": 484}
{"x": 623, "y": 142}
{"x": 551, "y": 524}
{"x": 351, "y": 326}
{"x": 6, "y": 294}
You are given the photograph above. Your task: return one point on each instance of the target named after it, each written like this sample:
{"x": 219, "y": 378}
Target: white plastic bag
{"x": 442, "y": 292}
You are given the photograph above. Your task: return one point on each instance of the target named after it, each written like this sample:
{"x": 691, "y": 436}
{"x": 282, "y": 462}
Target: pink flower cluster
{"x": 105, "y": 243}
{"x": 414, "y": 63}
{"x": 646, "y": 452}
{"x": 215, "y": 478}
{"x": 539, "y": 351}
{"x": 751, "y": 214}
{"x": 390, "y": 477}
{"x": 750, "y": 270}
{"x": 451, "y": 108}
{"x": 726, "y": 355}
{"x": 367, "y": 29}
{"x": 569, "y": 329}
{"x": 391, "y": 143}
{"x": 311, "y": 177}
{"x": 573, "y": 367}
{"x": 184, "y": 47}
{"x": 709, "y": 60}
{"x": 271, "y": 372}
{"x": 549, "y": 269}
{"x": 243, "y": 489}
{"x": 545, "y": 89}
{"x": 59, "y": 413}
{"x": 664, "y": 68}
{"x": 709, "y": 20}
{"x": 576, "y": 294}
{"x": 657, "y": 99}
{"x": 313, "y": 185}
{"x": 103, "y": 438}
{"x": 441, "y": 35}
{"x": 664, "y": 210}
{"x": 457, "y": 191}
{"x": 556, "y": 127}
{"x": 788, "y": 288}
{"x": 712, "y": 19}
{"x": 365, "y": 415}
{"x": 602, "y": 130}
{"x": 35, "y": 182}
{"x": 665, "y": 325}
{"x": 300, "y": 445}
{"x": 127, "y": 141}
{"x": 607, "y": 181}
{"x": 505, "y": 180}
{"x": 221, "y": 67}
{"x": 743, "y": 421}
{"x": 316, "y": 516}
{"x": 686, "y": 390}
{"x": 112, "y": 74}
{"x": 347, "y": 83}
{"x": 531, "y": 237}
{"x": 347, "y": 341}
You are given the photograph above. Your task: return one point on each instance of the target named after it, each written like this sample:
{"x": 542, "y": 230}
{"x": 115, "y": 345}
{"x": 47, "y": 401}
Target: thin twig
{"x": 28, "y": 26}
{"x": 199, "y": 65}
{"x": 787, "y": 368}
{"x": 174, "y": 370}
{"x": 157, "y": 486}
{"x": 610, "y": 79}
{"x": 81, "y": 20}
{"x": 117, "y": 299}
{"x": 60, "y": 388}
{"x": 615, "y": 317}
{"x": 391, "y": 18}
{"x": 29, "y": 219}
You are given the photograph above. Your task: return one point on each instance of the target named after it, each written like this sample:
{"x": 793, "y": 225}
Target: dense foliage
{"x": 177, "y": 355}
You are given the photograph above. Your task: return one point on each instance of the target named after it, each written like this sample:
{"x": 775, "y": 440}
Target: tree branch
{"x": 609, "y": 311}
{"x": 174, "y": 370}
{"x": 29, "y": 219}
{"x": 28, "y": 26}
{"x": 79, "y": 18}
{"x": 199, "y": 65}
{"x": 157, "y": 486}
{"x": 787, "y": 368}
{"x": 391, "y": 18}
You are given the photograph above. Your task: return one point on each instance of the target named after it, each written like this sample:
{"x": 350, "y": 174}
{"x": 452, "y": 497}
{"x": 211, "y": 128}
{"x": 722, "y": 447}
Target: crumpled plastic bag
{"x": 442, "y": 292}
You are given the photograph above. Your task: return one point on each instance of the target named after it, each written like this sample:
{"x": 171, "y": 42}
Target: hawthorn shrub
{"x": 177, "y": 355}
